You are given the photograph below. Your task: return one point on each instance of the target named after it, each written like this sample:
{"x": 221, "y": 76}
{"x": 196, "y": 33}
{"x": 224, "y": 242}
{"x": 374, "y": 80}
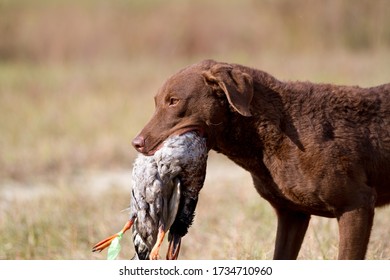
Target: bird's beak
{"x": 174, "y": 247}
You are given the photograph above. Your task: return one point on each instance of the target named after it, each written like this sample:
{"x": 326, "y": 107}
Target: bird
{"x": 192, "y": 157}
{"x": 165, "y": 190}
{"x": 155, "y": 198}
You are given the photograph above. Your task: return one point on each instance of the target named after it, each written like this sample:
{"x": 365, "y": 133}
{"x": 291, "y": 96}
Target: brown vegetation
{"x": 77, "y": 80}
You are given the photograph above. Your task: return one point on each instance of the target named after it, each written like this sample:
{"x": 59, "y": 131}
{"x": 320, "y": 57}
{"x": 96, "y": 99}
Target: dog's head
{"x": 198, "y": 98}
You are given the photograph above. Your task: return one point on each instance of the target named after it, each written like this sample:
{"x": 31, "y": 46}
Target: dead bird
{"x": 164, "y": 195}
{"x": 155, "y": 199}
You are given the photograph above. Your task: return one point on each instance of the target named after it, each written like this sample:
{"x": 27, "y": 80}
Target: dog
{"x": 311, "y": 149}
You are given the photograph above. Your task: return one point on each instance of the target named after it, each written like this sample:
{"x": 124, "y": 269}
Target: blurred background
{"x": 77, "y": 80}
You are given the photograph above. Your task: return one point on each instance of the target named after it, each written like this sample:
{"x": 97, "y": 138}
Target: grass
{"x": 232, "y": 222}
{"x": 77, "y": 81}
{"x": 54, "y": 116}
{"x": 62, "y": 225}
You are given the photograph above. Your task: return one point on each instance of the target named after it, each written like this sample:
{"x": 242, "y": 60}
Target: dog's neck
{"x": 265, "y": 132}
{"x": 250, "y": 151}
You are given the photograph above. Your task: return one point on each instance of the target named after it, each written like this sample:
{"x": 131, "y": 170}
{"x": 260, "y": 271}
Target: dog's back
{"x": 343, "y": 129}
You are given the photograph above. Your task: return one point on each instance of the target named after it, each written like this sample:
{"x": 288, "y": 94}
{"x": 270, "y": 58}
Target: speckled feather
{"x": 181, "y": 160}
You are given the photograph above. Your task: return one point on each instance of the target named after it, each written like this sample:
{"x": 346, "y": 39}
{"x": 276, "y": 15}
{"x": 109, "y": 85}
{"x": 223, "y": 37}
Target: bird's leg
{"x": 174, "y": 247}
{"x": 106, "y": 242}
{"x": 156, "y": 248}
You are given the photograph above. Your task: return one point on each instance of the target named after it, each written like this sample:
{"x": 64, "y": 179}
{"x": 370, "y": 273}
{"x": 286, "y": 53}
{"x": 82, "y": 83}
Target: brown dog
{"x": 312, "y": 149}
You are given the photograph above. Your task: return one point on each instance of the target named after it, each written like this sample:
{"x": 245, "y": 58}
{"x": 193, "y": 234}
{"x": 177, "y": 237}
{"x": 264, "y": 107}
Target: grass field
{"x": 63, "y": 220}
{"x": 77, "y": 81}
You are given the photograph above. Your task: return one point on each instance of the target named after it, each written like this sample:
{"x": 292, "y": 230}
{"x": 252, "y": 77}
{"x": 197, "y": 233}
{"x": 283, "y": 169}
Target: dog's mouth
{"x": 197, "y": 129}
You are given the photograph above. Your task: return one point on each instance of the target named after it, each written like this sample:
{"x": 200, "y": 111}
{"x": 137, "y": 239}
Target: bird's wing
{"x": 174, "y": 202}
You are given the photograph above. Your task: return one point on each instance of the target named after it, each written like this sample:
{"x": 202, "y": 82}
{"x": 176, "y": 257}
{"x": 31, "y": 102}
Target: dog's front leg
{"x": 291, "y": 230}
{"x": 354, "y": 229}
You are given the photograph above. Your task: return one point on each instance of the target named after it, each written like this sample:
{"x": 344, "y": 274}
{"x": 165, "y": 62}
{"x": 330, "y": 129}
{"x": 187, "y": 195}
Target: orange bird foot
{"x": 156, "y": 248}
{"x": 107, "y": 242}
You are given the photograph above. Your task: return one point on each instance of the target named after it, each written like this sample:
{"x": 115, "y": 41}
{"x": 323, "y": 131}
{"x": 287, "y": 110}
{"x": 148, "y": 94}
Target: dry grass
{"x": 76, "y": 84}
{"x": 64, "y": 220}
{"x": 54, "y": 115}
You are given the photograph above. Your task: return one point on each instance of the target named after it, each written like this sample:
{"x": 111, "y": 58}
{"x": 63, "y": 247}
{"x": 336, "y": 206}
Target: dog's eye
{"x": 173, "y": 101}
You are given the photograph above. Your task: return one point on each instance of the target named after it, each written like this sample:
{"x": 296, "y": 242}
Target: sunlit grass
{"x": 64, "y": 224}
{"x": 56, "y": 118}
{"x": 232, "y": 222}
{"x": 77, "y": 80}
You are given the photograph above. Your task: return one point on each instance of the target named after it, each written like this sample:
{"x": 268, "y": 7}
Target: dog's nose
{"x": 139, "y": 143}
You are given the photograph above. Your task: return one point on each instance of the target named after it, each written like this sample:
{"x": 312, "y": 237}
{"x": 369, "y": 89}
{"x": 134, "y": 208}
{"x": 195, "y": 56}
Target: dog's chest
{"x": 284, "y": 186}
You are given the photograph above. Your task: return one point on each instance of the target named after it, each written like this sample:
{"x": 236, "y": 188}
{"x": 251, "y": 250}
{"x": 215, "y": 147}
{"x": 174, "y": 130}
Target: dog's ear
{"x": 237, "y": 86}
